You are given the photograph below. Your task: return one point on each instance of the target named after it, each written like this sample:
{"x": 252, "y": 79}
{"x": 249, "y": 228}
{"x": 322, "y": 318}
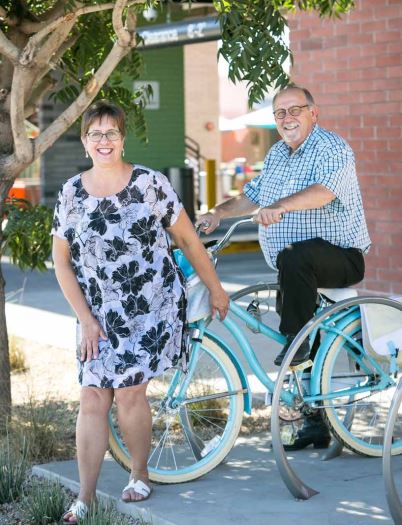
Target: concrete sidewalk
{"x": 245, "y": 489}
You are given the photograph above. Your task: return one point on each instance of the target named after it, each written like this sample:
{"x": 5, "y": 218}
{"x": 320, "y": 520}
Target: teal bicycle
{"x": 197, "y": 412}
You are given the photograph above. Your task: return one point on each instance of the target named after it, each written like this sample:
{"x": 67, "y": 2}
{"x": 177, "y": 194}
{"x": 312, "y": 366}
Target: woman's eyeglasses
{"x": 96, "y": 136}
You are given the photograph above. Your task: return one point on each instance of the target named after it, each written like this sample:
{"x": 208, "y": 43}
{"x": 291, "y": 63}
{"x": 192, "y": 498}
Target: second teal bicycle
{"x": 197, "y": 413}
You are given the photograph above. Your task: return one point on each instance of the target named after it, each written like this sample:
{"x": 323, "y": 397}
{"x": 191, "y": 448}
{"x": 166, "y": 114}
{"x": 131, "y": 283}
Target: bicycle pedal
{"x": 302, "y": 366}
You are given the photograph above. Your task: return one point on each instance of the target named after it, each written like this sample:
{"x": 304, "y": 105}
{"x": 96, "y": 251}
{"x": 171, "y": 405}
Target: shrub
{"x": 50, "y": 426}
{"x": 45, "y": 502}
{"x": 13, "y": 470}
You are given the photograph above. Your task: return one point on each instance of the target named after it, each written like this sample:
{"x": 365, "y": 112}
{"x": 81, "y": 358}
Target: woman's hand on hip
{"x": 91, "y": 333}
{"x": 219, "y": 301}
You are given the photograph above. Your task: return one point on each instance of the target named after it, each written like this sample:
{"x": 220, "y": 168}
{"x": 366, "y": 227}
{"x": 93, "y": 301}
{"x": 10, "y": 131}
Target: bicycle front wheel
{"x": 356, "y": 419}
{"x": 194, "y": 432}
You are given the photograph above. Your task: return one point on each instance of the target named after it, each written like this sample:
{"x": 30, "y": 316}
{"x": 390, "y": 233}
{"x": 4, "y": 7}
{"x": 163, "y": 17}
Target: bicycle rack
{"x": 394, "y": 502}
{"x": 295, "y": 485}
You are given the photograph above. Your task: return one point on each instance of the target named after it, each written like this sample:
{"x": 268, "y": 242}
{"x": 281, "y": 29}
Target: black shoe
{"x": 314, "y": 432}
{"x": 301, "y": 355}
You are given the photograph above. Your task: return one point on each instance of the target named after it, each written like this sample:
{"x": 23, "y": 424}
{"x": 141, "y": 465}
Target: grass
{"x": 14, "y": 467}
{"x": 45, "y": 502}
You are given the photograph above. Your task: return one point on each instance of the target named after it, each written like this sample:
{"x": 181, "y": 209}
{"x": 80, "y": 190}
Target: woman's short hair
{"x": 100, "y": 109}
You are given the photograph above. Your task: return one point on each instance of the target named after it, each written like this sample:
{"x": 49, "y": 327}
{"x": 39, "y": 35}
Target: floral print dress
{"x": 122, "y": 258}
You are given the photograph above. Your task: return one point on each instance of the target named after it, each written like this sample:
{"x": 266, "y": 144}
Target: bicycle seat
{"x": 337, "y": 294}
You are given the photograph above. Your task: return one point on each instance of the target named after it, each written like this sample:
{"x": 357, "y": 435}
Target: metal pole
{"x": 210, "y": 168}
{"x": 394, "y": 502}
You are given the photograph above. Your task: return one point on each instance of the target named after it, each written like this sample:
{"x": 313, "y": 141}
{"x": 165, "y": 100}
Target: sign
{"x": 180, "y": 33}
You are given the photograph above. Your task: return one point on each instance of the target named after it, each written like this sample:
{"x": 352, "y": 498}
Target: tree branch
{"x": 68, "y": 117}
{"x": 29, "y": 27}
{"x": 8, "y": 49}
{"x": 22, "y": 146}
{"x": 40, "y": 90}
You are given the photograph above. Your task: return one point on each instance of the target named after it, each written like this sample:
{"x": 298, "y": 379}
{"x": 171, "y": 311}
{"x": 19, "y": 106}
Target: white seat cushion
{"x": 338, "y": 294}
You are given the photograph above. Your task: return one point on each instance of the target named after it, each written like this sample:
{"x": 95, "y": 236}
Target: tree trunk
{"x": 5, "y": 382}
{"x": 6, "y": 181}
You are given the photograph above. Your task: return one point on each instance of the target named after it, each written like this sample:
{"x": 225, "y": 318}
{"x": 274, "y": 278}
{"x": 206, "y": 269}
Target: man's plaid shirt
{"x": 323, "y": 158}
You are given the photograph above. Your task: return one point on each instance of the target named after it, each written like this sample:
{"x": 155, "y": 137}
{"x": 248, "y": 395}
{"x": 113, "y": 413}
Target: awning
{"x": 261, "y": 118}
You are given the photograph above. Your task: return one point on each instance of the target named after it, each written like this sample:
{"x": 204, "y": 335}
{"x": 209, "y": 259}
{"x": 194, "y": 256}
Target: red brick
{"x": 378, "y": 215}
{"x": 394, "y": 95}
{"x": 390, "y": 180}
{"x": 357, "y": 39}
{"x": 395, "y": 145}
{"x": 396, "y": 288}
{"x": 388, "y": 36}
{"x": 388, "y": 60}
{"x": 394, "y": 47}
{"x": 312, "y": 43}
{"x": 395, "y": 120}
{"x": 378, "y": 286}
{"x": 395, "y": 23}
{"x": 375, "y": 49}
{"x": 390, "y": 275}
{"x": 373, "y": 26}
{"x": 386, "y": 84}
{"x": 392, "y": 72}
{"x": 360, "y": 62}
{"x": 299, "y": 34}
{"x": 362, "y": 133}
{"x": 373, "y": 120}
{"x": 353, "y": 74}
{"x": 391, "y": 155}
{"x": 393, "y": 132}
{"x": 372, "y": 96}
{"x": 387, "y": 227}
{"x": 388, "y": 12}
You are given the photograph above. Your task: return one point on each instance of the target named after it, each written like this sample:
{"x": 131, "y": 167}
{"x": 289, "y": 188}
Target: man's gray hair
{"x": 290, "y": 87}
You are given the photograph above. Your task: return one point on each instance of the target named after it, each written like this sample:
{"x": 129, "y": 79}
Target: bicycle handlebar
{"x": 225, "y": 239}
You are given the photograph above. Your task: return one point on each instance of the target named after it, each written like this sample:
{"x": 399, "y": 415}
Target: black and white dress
{"x": 122, "y": 257}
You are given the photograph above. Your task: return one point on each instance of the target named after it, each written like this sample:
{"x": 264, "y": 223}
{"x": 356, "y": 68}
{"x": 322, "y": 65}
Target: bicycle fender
{"x": 233, "y": 357}
{"x": 323, "y": 349}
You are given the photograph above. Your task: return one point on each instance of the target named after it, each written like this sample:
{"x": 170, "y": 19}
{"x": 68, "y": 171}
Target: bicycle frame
{"x": 332, "y": 326}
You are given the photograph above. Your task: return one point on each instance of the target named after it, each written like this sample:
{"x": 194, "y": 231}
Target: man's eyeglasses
{"x": 96, "y": 136}
{"x": 294, "y": 111}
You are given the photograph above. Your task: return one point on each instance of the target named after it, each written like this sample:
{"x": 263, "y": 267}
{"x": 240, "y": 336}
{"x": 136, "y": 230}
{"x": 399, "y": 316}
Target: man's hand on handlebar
{"x": 208, "y": 222}
{"x": 270, "y": 215}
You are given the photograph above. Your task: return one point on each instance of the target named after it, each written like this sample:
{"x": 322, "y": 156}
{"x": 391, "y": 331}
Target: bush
{"x": 45, "y": 502}
{"x": 50, "y": 427}
{"x": 17, "y": 357}
{"x": 13, "y": 471}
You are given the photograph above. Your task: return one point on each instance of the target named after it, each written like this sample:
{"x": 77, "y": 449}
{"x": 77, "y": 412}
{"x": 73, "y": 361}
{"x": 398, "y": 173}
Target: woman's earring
{"x": 122, "y": 152}
{"x": 86, "y": 154}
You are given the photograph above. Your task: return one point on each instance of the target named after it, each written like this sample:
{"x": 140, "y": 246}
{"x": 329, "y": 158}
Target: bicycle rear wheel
{"x": 357, "y": 420}
{"x": 190, "y": 436}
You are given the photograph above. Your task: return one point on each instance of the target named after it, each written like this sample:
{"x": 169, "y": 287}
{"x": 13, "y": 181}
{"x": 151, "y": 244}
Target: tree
{"x": 76, "y": 50}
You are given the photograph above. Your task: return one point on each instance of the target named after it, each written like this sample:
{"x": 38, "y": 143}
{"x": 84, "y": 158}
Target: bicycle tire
{"x": 183, "y": 422}
{"x": 363, "y": 432}
{"x": 253, "y": 289}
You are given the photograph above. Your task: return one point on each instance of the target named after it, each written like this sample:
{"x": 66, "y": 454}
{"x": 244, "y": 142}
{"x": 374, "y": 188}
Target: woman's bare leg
{"x": 135, "y": 423}
{"x": 92, "y": 437}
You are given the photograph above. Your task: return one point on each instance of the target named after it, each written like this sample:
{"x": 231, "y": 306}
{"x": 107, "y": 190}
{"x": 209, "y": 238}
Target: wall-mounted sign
{"x": 179, "y": 33}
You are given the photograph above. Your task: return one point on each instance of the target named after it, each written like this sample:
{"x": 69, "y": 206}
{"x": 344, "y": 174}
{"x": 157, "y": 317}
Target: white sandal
{"x": 140, "y": 488}
{"x": 78, "y": 509}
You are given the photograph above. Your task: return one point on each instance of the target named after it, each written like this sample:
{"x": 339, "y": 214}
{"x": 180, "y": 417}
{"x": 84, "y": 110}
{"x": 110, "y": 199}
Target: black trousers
{"x": 307, "y": 265}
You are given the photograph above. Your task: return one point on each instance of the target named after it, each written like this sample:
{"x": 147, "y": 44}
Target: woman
{"x": 114, "y": 264}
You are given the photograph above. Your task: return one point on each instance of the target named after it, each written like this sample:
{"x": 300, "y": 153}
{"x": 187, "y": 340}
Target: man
{"x": 311, "y": 221}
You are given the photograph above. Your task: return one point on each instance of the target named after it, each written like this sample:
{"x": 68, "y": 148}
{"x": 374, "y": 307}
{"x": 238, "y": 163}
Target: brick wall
{"x": 353, "y": 67}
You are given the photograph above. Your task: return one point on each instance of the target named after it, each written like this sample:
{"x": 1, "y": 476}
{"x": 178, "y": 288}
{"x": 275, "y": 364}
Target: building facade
{"x": 353, "y": 66}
